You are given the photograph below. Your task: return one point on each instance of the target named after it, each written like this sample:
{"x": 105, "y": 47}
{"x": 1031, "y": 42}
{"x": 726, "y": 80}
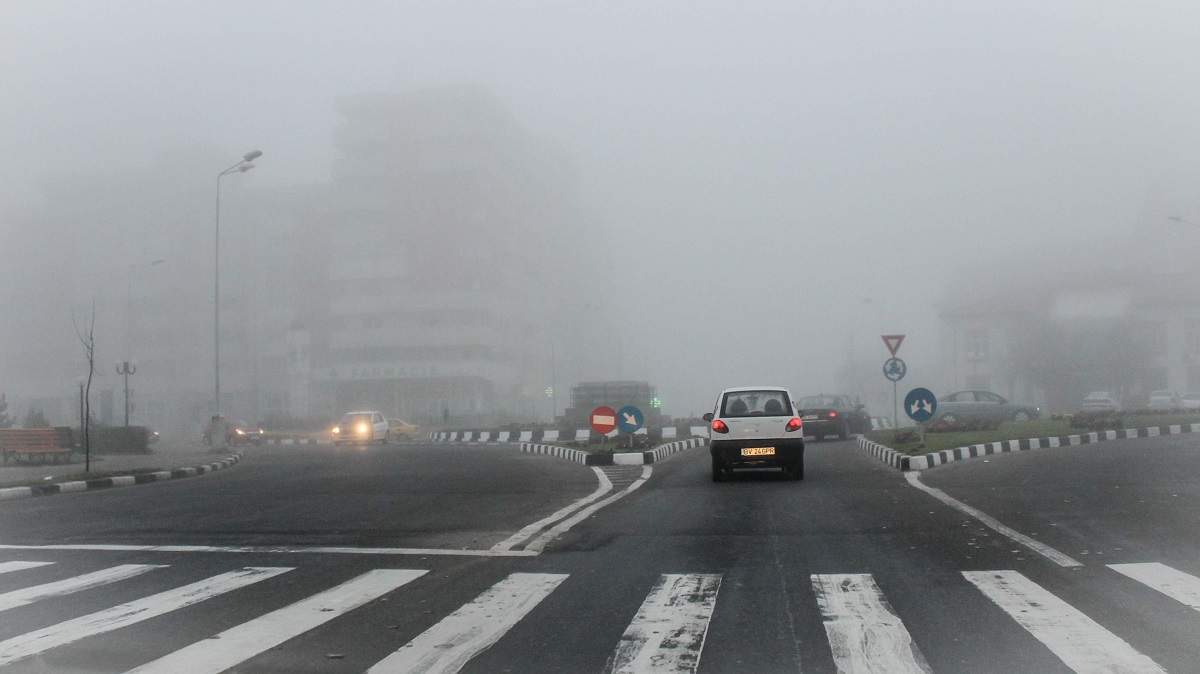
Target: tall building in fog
{"x": 449, "y": 284}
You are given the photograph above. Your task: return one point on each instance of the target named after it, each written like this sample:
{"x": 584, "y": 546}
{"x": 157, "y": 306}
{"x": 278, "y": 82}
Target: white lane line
{"x": 452, "y": 642}
{"x": 6, "y": 567}
{"x": 992, "y": 523}
{"x": 1080, "y": 642}
{"x": 667, "y": 634}
{"x": 564, "y": 526}
{"x": 865, "y": 634}
{"x": 266, "y": 549}
{"x": 237, "y": 644}
{"x": 130, "y": 613}
{"x": 1182, "y": 587}
{"x": 605, "y": 486}
{"x": 28, "y": 595}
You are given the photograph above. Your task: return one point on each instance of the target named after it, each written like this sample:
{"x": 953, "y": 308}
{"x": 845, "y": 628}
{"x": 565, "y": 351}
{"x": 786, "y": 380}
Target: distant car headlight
{"x": 239, "y": 431}
{"x": 336, "y": 430}
{"x": 362, "y": 429}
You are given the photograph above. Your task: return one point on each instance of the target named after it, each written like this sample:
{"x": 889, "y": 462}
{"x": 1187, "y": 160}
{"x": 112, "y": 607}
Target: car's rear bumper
{"x": 788, "y": 452}
{"x": 819, "y": 427}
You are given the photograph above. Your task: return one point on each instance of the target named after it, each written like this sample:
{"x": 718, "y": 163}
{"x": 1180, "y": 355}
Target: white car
{"x": 1190, "y": 401}
{"x": 1101, "y": 401}
{"x": 755, "y": 427}
{"x": 1165, "y": 400}
{"x": 362, "y": 427}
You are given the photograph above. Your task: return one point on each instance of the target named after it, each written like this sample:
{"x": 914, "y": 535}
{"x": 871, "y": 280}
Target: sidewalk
{"x": 164, "y": 457}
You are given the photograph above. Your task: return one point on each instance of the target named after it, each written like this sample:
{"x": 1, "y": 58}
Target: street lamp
{"x": 243, "y": 165}
{"x": 126, "y": 368}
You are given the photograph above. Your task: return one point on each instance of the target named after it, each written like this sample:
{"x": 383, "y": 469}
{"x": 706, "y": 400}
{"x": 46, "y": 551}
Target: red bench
{"x": 26, "y": 443}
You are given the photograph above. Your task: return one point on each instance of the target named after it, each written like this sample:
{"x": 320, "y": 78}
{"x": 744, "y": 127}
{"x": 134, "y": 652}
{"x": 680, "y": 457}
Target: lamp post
{"x": 241, "y": 166}
{"x": 126, "y": 368}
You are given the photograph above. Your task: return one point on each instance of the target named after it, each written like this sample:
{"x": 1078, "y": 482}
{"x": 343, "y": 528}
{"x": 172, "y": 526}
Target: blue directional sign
{"x": 894, "y": 369}
{"x": 920, "y": 404}
{"x": 630, "y": 419}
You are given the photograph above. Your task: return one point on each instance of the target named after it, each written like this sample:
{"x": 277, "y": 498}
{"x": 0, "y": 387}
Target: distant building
{"x": 587, "y": 396}
{"x": 444, "y": 277}
{"x": 1126, "y": 331}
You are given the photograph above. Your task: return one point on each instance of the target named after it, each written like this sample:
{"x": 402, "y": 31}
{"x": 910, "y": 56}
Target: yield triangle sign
{"x": 892, "y": 342}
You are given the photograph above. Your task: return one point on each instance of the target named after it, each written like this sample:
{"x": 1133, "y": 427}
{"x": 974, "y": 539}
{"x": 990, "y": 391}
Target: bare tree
{"x": 87, "y": 338}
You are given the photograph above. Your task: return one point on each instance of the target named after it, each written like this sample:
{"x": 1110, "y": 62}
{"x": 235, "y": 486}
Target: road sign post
{"x": 603, "y": 420}
{"x": 894, "y": 370}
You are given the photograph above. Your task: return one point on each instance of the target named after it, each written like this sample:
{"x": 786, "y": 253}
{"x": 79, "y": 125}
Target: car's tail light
{"x": 794, "y": 424}
{"x": 832, "y": 414}
{"x": 720, "y": 426}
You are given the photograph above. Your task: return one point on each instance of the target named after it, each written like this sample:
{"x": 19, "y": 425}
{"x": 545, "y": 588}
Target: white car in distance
{"x": 362, "y": 427}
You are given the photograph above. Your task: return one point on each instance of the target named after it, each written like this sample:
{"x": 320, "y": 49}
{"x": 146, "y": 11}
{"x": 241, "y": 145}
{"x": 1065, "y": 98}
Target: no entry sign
{"x": 604, "y": 420}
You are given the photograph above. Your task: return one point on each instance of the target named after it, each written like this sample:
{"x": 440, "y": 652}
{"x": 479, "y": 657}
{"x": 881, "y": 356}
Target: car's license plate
{"x": 758, "y": 451}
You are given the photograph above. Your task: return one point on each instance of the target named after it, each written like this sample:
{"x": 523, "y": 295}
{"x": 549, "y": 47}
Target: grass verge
{"x": 1012, "y": 430}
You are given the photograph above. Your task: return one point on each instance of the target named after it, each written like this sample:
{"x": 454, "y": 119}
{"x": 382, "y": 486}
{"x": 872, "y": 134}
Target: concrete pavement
{"x": 849, "y": 569}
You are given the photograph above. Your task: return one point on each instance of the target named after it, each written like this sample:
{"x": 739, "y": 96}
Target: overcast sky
{"x": 766, "y": 169}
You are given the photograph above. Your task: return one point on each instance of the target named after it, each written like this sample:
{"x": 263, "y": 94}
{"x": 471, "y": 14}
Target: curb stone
{"x": 933, "y": 459}
{"x": 12, "y": 493}
{"x": 655, "y": 455}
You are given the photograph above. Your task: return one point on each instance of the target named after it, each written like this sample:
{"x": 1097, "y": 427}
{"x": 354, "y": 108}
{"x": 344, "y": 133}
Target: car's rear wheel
{"x": 718, "y": 471}
{"x": 796, "y": 471}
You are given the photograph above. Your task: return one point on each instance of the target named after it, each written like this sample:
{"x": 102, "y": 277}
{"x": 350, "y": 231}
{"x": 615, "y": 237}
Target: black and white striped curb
{"x": 292, "y": 441}
{"x": 11, "y": 493}
{"x": 617, "y": 458}
{"x": 933, "y": 459}
{"x": 546, "y": 436}
{"x": 885, "y": 454}
{"x": 483, "y": 436}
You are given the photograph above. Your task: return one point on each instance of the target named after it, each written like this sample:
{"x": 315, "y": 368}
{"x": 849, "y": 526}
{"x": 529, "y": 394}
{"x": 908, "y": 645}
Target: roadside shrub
{"x": 906, "y": 436}
{"x": 1094, "y": 421}
{"x": 120, "y": 440}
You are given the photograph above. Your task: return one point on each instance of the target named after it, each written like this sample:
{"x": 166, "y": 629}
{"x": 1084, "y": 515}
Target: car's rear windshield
{"x": 816, "y": 402}
{"x": 355, "y": 418}
{"x": 756, "y": 404}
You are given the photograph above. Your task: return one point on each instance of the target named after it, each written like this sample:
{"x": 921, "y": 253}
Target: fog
{"x": 695, "y": 194}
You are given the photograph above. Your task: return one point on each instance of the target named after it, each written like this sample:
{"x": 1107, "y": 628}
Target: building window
{"x": 977, "y": 345}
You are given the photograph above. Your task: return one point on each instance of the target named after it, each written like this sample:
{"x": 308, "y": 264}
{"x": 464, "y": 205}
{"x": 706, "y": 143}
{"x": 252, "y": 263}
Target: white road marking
{"x": 266, "y": 549}
{"x": 992, "y": 523}
{"x": 1182, "y": 587}
{"x": 452, "y": 642}
{"x": 6, "y": 567}
{"x": 564, "y": 526}
{"x": 130, "y": 613}
{"x": 1080, "y": 642}
{"x": 864, "y": 633}
{"x": 28, "y": 595}
{"x": 237, "y": 644}
{"x": 667, "y": 634}
{"x": 525, "y": 533}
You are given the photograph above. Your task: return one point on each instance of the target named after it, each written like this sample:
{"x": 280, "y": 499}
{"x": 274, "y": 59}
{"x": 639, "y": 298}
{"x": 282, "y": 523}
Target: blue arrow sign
{"x": 894, "y": 369}
{"x": 920, "y": 404}
{"x": 630, "y": 419}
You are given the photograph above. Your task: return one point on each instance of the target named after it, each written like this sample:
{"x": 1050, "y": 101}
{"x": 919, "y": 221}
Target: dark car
{"x": 242, "y": 433}
{"x": 981, "y": 408}
{"x": 833, "y": 414}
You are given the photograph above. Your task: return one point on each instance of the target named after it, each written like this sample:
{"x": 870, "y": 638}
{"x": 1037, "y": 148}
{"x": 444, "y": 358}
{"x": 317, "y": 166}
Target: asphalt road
{"x": 853, "y": 567}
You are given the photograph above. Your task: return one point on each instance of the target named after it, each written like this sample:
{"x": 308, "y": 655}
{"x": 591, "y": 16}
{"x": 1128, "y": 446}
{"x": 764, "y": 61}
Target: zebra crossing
{"x": 668, "y": 632}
